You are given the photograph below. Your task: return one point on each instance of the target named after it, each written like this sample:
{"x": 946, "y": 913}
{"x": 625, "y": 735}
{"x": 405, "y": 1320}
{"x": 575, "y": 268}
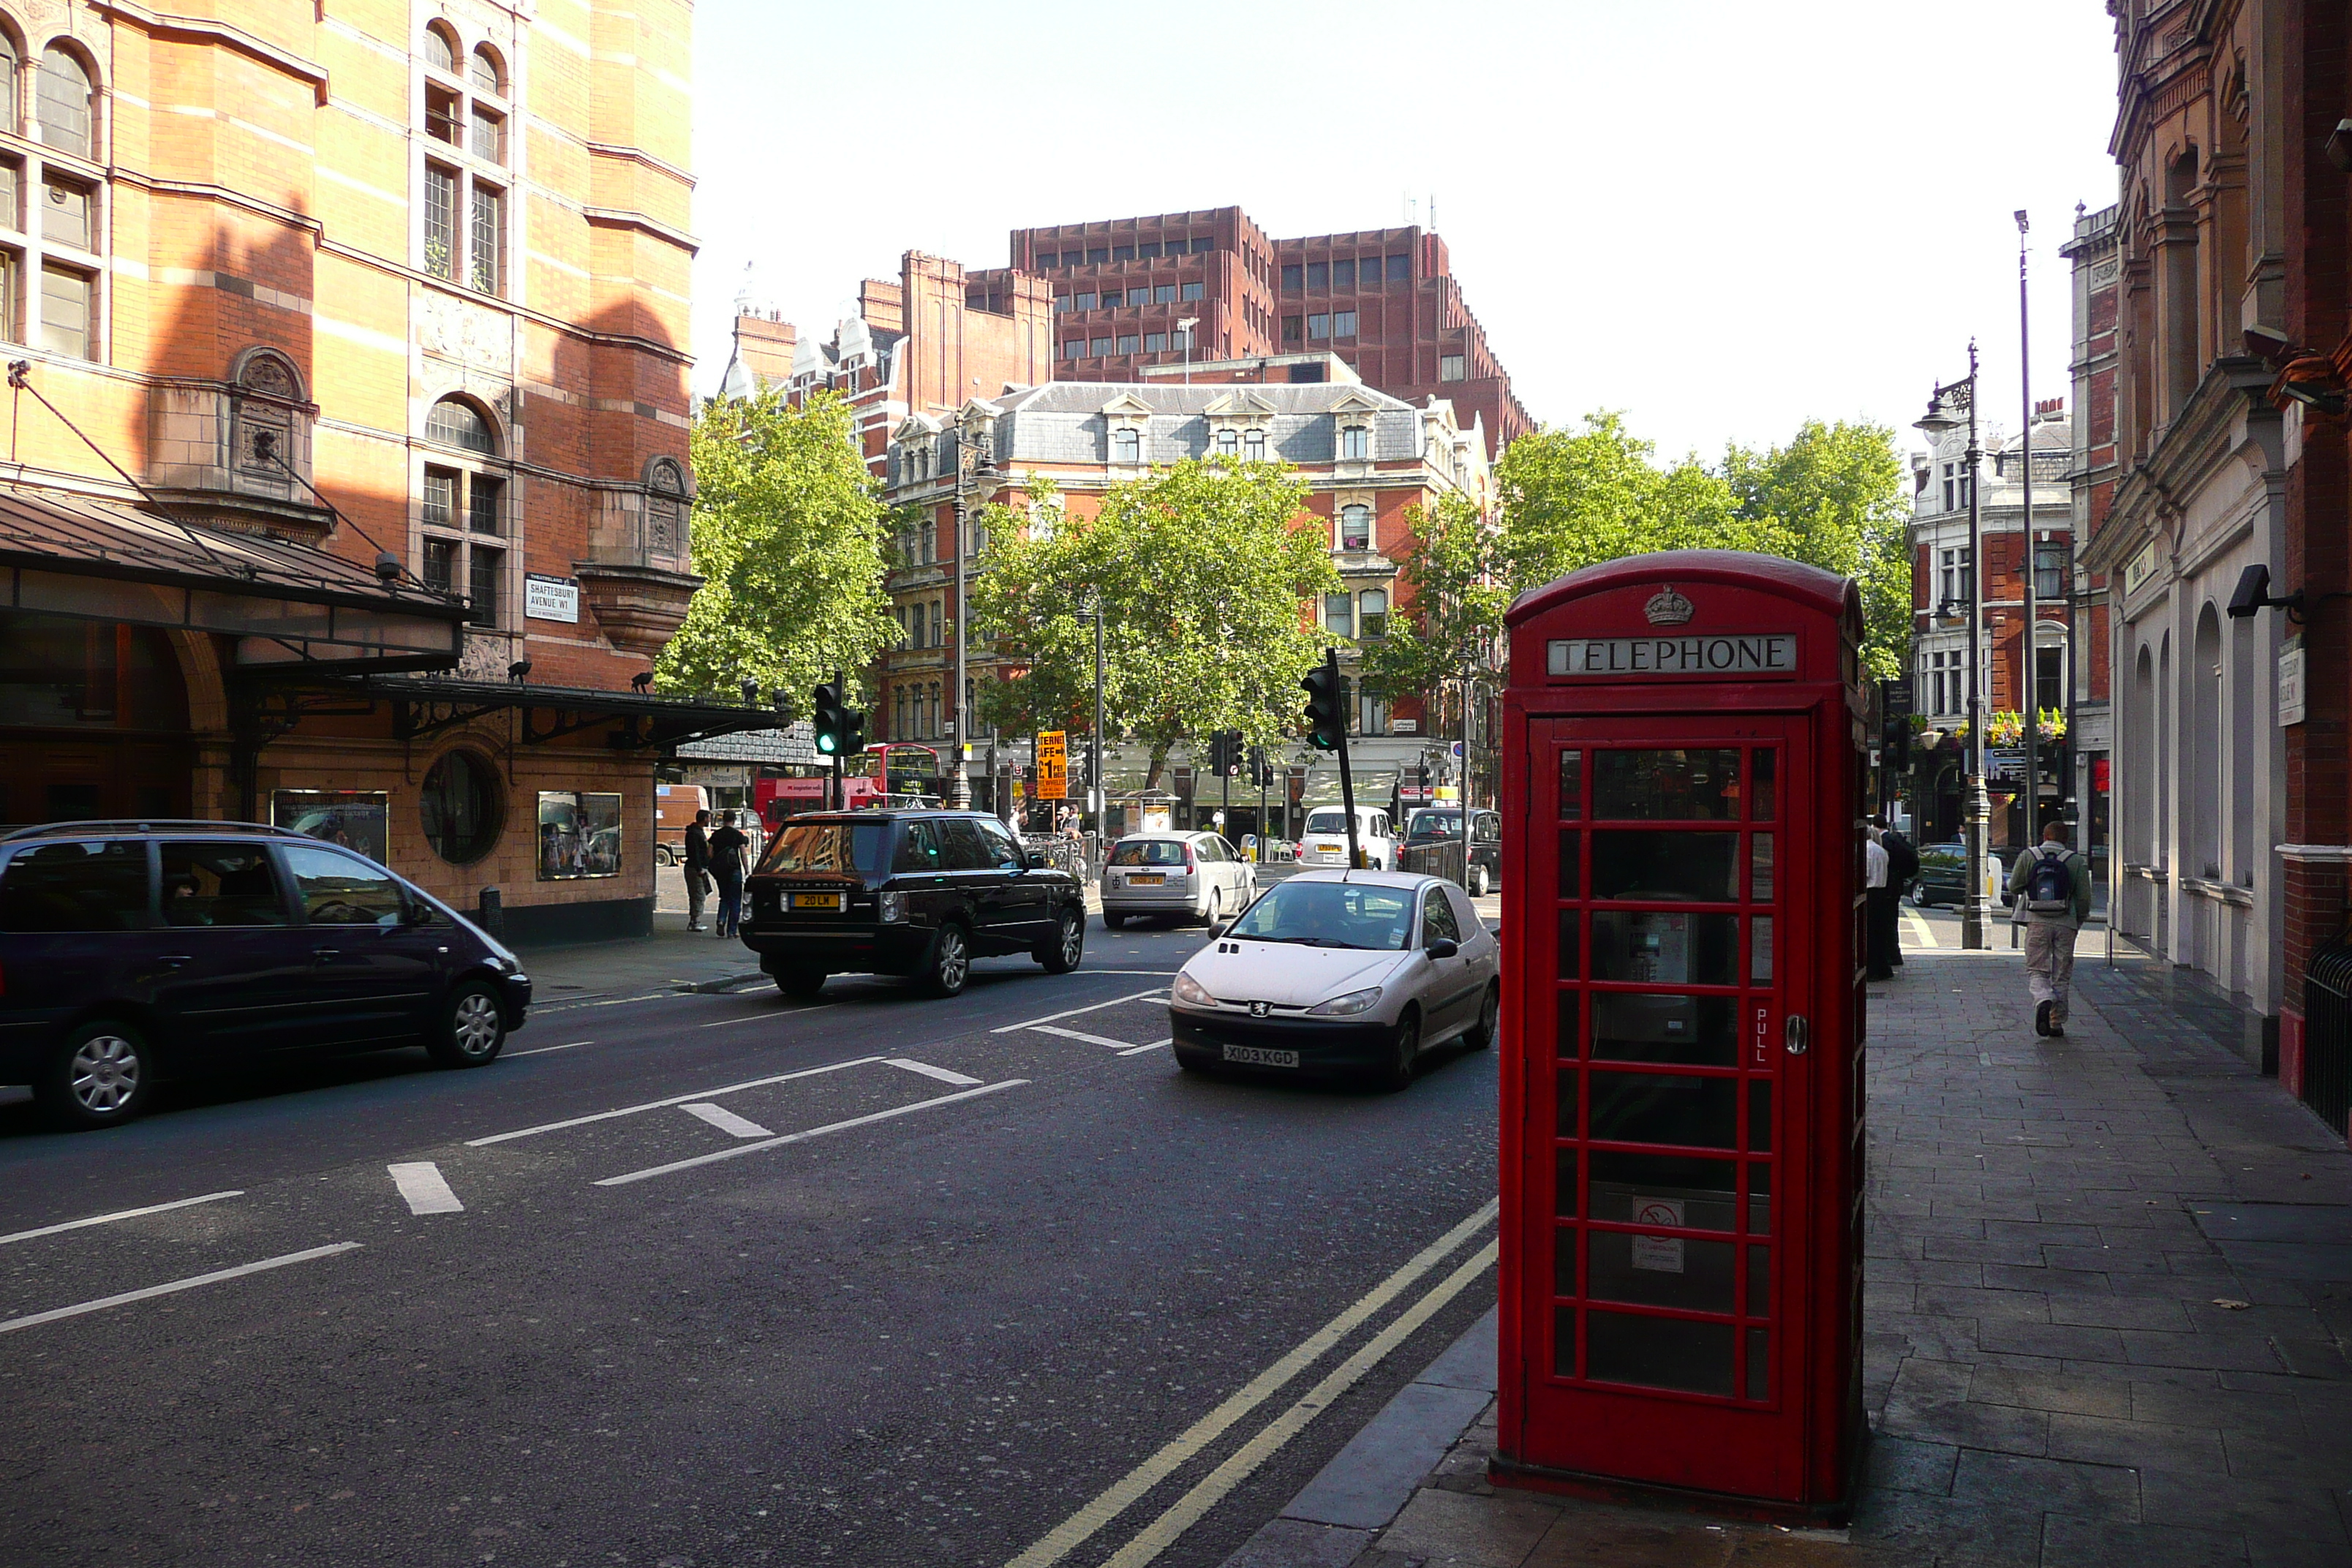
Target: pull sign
{"x": 1801, "y": 1035}
{"x": 1763, "y": 1037}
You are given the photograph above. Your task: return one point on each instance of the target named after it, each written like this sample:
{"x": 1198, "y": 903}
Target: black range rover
{"x": 917, "y": 893}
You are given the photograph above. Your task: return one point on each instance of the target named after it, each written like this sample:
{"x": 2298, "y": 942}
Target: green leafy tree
{"x": 1833, "y": 497}
{"x": 789, "y": 534}
{"x": 1202, "y": 570}
{"x": 1459, "y": 579}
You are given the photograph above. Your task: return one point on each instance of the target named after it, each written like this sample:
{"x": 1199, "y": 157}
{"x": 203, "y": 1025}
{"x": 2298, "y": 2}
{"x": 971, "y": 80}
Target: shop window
{"x": 358, "y": 819}
{"x": 64, "y": 103}
{"x": 66, "y": 294}
{"x": 579, "y": 835}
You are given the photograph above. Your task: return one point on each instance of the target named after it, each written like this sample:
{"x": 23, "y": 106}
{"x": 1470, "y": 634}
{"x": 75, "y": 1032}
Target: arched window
{"x": 460, "y": 424}
{"x": 464, "y": 206}
{"x": 1229, "y": 443}
{"x": 482, "y": 72}
{"x": 11, "y": 62}
{"x": 1372, "y": 613}
{"x": 463, "y": 511}
{"x": 1126, "y": 445}
{"x": 65, "y": 103}
{"x": 1355, "y": 527}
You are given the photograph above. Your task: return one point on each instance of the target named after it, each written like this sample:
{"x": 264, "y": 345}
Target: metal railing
{"x": 2327, "y": 1085}
{"x": 1063, "y": 853}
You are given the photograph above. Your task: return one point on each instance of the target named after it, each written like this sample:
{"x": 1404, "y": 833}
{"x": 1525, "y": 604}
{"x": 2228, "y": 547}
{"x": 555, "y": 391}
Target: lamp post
{"x": 1185, "y": 327}
{"x": 973, "y": 462}
{"x": 1097, "y": 798}
{"x": 1977, "y": 821}
{"x": 2029, "y": 660}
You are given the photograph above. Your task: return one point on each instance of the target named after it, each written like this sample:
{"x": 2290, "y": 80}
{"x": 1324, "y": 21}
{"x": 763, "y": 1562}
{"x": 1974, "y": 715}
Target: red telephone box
{"x": 1682, "y": 1037}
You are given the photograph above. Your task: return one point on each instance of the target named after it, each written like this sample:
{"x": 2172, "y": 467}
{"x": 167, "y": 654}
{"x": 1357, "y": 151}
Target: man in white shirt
{"x": 1878, "y": 911}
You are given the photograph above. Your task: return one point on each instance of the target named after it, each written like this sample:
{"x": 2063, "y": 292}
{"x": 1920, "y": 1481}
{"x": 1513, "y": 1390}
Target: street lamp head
{"x": 1935, "y": 421}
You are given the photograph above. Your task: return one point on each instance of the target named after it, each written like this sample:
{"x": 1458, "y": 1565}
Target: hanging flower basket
{"x": 2005, "y": 728}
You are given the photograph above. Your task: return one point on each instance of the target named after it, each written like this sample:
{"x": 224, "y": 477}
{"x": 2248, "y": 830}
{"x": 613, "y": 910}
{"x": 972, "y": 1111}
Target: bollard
{"x": 490, "y": 914}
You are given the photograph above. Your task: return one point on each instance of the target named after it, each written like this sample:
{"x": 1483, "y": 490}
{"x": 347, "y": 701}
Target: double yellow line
{"x": 1188, "y": 1510}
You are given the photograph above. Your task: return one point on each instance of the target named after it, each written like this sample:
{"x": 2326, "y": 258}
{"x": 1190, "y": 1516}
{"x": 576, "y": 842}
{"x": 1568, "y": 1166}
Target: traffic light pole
{"x": 1347, "y": 800}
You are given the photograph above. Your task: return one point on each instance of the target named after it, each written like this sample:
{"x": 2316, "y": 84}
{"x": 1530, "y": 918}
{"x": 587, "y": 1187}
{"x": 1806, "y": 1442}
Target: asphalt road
{"x": 1009, "y": 1268}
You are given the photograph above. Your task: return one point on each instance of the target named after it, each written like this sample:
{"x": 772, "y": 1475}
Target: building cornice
{"x": 206, "y": 30}
{"x": 2204, "y": 435}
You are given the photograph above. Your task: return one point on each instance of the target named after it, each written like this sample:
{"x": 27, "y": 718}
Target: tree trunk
{"x": 1160, "y": 749}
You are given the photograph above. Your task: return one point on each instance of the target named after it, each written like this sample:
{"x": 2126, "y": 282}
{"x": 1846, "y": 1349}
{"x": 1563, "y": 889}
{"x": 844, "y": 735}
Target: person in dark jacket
{"x": 727, "y": 848}
{"x": 698, "y": 869}
{"x": 1902, "y": 870}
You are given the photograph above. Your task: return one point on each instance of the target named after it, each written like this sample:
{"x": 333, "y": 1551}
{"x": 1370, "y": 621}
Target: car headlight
{"x": 1354, "y": 1002}
{"x": 1191, "y": 993}
{"x": 891, "y": 907}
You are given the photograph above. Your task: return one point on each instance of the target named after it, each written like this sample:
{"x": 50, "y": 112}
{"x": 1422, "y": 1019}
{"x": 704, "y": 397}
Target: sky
{"x": 1718, "y": 219}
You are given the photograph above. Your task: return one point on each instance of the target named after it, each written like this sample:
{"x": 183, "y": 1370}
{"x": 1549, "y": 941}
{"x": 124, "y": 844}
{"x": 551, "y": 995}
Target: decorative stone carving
{"x": 454, "y": 329}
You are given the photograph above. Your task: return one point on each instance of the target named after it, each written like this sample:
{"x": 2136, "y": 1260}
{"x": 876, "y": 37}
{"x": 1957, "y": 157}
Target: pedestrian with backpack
{"x": 2052, "y": 887}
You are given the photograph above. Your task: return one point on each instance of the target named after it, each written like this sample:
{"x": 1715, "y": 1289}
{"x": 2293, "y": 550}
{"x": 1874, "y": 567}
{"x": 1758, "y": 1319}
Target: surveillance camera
{"x": 2253, "y": 592}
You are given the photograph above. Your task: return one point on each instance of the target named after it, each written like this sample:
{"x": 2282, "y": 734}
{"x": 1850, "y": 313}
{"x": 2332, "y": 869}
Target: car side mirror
{"x": 1444, "y": 947}
{"x": 1220, "y": 928}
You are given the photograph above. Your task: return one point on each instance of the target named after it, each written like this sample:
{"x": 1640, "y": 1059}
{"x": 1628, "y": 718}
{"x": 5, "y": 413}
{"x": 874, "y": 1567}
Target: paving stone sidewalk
{"x": 2108, "y": 1304}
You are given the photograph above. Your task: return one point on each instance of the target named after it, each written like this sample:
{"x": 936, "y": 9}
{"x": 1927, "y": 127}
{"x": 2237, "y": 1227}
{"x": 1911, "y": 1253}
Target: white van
{"x": 1325, "y": 842}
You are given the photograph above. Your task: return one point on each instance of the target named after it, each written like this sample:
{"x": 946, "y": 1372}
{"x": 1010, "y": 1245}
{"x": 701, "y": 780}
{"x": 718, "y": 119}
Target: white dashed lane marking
{"x": 1080, "y": 1034}
{"x": 928, "y": 1070}
{"x": 119, "y": 1213}
{"x": 623, "y": 1180}
{"x": 726, "y": 1122}
{"x": 36, "y": 1318}
{"x": 424, "y": 1188}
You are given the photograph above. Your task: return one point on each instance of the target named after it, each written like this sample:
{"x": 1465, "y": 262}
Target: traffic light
{"x": 1261, "y": 769}
{"x": 1218, "y": 759}
{"x": 853, "y": 731}
{"x": 832, "y": 719}
{"x": 1894, "y": 743}
{"x": 1326, "y": 704}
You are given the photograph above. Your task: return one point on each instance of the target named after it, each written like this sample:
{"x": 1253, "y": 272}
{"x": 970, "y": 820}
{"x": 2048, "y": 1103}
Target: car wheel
{"x": 801, "y": 983}
{"x": 1490, "y": 1019}
{"x": 664, "y": 855}
{"x": 1069, "y": 944}
{"x": 1113, "y": 921}
{"x": 950, "y": 961}
{"x": 1211, "y": 908}
{"x": 103, "y": 1075}
{"x": 1397, "y": 1074}
{"x": 1477, "y": 881}
{"x": 472, "y": 1029}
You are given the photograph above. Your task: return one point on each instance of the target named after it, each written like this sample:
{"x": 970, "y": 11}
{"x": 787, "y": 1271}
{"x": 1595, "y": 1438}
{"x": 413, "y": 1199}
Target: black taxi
{"x": 914, "y": 893}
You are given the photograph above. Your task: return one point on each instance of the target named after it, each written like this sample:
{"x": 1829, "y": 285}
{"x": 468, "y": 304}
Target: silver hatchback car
{"x": 1184, "y": 875}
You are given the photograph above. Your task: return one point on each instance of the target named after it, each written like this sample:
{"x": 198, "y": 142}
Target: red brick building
{"x": 1385, "y": 300}
{"x": 382, "y": 309}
